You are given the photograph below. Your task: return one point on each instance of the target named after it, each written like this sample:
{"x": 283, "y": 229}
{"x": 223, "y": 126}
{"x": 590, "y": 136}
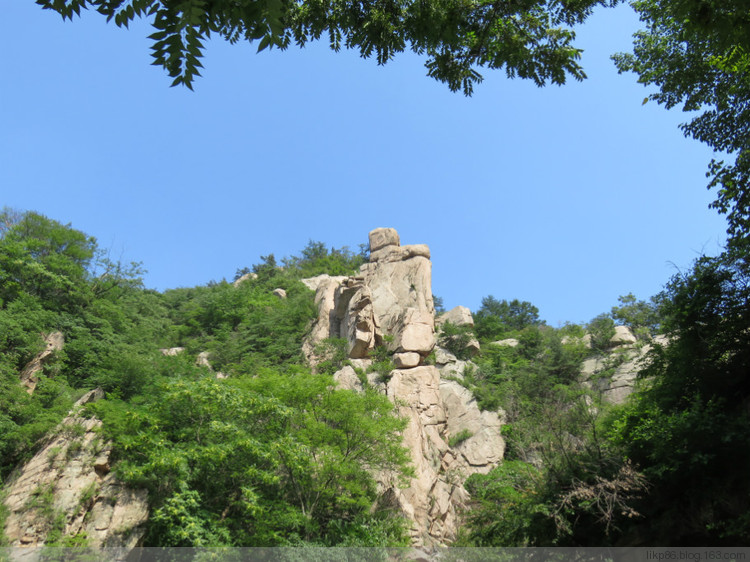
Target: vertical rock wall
{"x": 390, "y": 304}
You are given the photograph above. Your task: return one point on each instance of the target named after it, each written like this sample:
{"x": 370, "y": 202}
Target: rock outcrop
{"x": 614, "y": 374}
{"x": 389, "y": 304}
{"x": 67, "y": 494}
{"x": 29, "y": 375}
{"x": 247, "y": 277}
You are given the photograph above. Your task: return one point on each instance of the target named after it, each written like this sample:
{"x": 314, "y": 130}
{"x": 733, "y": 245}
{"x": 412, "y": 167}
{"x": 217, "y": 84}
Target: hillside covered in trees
{"x": 253, "y": 447}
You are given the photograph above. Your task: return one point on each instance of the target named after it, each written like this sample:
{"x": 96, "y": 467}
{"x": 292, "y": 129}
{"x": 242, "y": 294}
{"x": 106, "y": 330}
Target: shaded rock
{"x": 247, "y": 277}
{"x": 484, "y": 447}
{"x": 354, "y": 314}
{"x": 455, "y": 369}
{"x": 30, "y": 374}
{"x": 347, "y": 378}
{"x": 400, "y": 253}
{"x": 325, "y": 326}
{"x": 415, "y": 332}
{"x": 382, "y": 237}
{"x": 510, "y": 342}
{"x": 458, "y": 316}
{"x": 623, "y": 336}
{"x": 70, "y": 478}
{"x": 473, "y": 347}
{"x": 313, "y": 283}
{"x": 616, "y": 373}
{"x": 281, "y": 293}
{"x": 406, "y": 360}
{"x": 202, "y": 360}
{"x": 443, "y": 356}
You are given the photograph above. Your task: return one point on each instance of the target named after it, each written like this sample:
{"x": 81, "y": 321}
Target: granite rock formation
{"x": 67, "y": 494}
{"x": 389, "y": 303}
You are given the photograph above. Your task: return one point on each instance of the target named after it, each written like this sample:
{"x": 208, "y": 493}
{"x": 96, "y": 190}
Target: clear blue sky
{"x": 565, "y": 197}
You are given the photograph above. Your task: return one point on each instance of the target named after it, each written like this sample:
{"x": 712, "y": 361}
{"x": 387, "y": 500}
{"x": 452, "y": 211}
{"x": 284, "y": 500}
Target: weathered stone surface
{"x": 382, "y": 237}
{"x": 485, "y": 447}
{"x": 400, "y": 253}
{"x": 325, "y": 326}
{"x": 435, "y": 497}
{"x": 390, "y": 303}
{"x": 396, "y": 286}
{"x": 458, "y": 316}
{"x": 443, "y": 356}
{"x": 313, "y": 283}
{"x": 281, "y": 293}
{"x": 415, "y": 332}
{"x": 473, "y": 347}
{"x": 202, "y": 360}
{"x": 237, "y": 282}
{"x": 623, "y": 336}
{"x": 455, "y": 369}
{"x": 30, "y": 374}
{"x": 70, "y": 476}
{"x": 172, "y": 351}
{"x": 510, "y": 342}
{"x": 347, "y": 378}
{"x": 406, "y": 360}
{"x": 354, "y": 314}
{"x": 626, "y": 362}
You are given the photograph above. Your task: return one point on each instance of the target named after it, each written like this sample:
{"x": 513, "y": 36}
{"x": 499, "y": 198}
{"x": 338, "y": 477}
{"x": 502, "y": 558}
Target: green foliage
{"x": 459, "y": 437}
{"x": 602, "y": 329}
{"x": 244, "y": 324}
{"x": 316, "y": 259}
{"x": 496, "y": 319}
{"x": 641, "y": 317}
{"x": 532, "y": 40}
{"x": 333, "y": 354}
{"x": 509, "y": 512}
{"x": 438, "y": 304}
{"x": 456, "y": 339}
{"x": 562, "y": 482}
{"x": 267, "y": 457}
{"x": 254, "y": 461}
{"x": 382, "y": 360}
{"x": 689, "y": 429}
{"x": 45, "y": 260}
{"x": 697, "y": 54}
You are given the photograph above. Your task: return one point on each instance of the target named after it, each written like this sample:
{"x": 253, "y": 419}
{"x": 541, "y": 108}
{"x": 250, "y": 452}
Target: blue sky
{"x": 562, "y": 196}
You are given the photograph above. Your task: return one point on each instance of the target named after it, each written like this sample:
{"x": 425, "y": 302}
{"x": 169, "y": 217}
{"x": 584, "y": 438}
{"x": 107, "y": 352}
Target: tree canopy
{"x": 529, "y": 38}
{"x": 697, "y": 53}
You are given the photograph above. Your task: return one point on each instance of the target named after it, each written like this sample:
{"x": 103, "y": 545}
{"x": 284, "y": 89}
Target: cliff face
{"x": 66, "y": 494}
{"x": 390, "y": 304}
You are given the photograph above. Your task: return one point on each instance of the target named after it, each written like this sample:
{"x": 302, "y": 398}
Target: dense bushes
{"x": 272, "y": 455}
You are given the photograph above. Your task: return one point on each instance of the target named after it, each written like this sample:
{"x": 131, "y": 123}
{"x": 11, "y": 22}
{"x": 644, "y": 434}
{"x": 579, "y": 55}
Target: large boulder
{"x": 615, "y": 374}
{"x": 247, "y": 277}
{"x": 458, "y": 316}
{"x": 383, "y": 237}
{"x": 480, "y": 447}
{"x": 623, "y": 336}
